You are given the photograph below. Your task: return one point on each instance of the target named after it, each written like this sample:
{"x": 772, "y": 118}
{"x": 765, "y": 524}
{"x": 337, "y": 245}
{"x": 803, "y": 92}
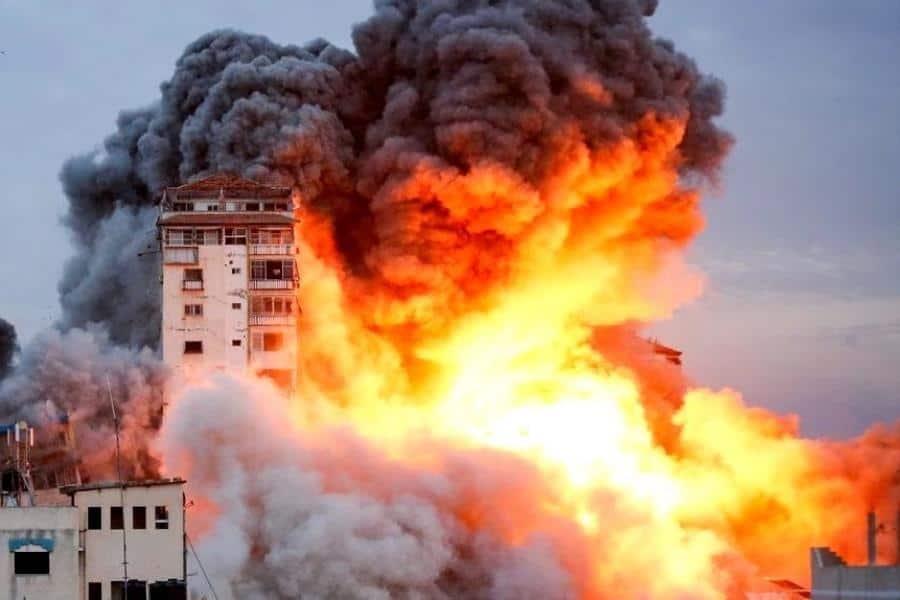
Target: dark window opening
{"x": 95, "y": 517}
{"x": 272, "y": 269}
{"x": 236, "y": 343}
{"x": 32, "y": 563}
{"x": 253, "y": 206}
{"x": 236, "y": 271}
{"x": 162, "y": 517}
{"x": 116, "y": 517}
{"x": 273, "y": 342}
{"x": 236, "y": 305}
{"x": 95, "y": 590}
{"x": 193, "y": 310}
{"x": 193, "y": 274}
{"x": 193, "y": 347}
{"x": 139, "y": 517}
{"x": 235, "y": 236}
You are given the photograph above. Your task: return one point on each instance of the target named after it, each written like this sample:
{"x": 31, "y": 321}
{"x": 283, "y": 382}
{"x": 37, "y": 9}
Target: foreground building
{"x": 136, "y": 527}
{"x": 834, "y": 579}
{"x": 229, "y": 278}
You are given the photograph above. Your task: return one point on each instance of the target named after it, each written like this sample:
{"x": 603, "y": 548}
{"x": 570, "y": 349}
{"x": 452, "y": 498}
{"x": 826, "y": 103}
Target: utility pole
{"x": 115, "y": 414}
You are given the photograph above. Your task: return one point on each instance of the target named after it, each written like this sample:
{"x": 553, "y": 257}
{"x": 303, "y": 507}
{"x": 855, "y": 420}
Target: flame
{"x": 494, "y": 349}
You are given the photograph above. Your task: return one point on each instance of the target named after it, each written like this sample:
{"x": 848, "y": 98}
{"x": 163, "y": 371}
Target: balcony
{"x": 272, "y": 284}
{"x": 192, "y": 285}
{"x": 180, "y": 256}
{"x": 272, "y": 320}
{"x": 272, "y": 249}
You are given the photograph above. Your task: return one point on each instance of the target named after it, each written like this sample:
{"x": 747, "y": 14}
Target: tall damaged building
{"x": 229, "y": 278}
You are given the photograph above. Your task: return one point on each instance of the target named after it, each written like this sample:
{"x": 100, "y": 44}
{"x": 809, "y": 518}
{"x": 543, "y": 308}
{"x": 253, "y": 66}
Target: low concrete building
{"x": 40, "y": 546}
{"x": 136, "y": 527}
{"x": 834, "y": 579}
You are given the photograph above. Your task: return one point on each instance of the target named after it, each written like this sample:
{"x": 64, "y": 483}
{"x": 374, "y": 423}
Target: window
{"x": 193, "y": 347}
{"x": 193, "y": 279}
{"x": 117, "y": 590}
{"x": 236, "y": 305}
{"x": 271, "y": 236}
{"x": 211, "y": 237}
{"x": 252, "y": 206}
{"x": 236, "y": 343}
{"x": 95, "y": 517}
{"x": 235, "y": 236}
{"x": 272, "y": 305}
{"x": 162, "y": 517}
{"x": 272, "y": 269}
{"x": 192, "y": 237}
{"x": 32, "y": 563}
{"x": 95, "y": 590}
{"x": 211, "y": 207}
{"x": 179, "y": 237}
{"x": 182, "y": 206}
{"x": 139, "y": 517}
{"x": 116, "y": 518}
{"x": 236, "y": 271}
{"x": 272, "y": 342}
{"x": 193, "y": 310}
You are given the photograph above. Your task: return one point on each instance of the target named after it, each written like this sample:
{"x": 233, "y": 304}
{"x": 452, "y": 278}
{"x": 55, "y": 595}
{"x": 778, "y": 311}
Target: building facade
{"x": 40, "y": 546}
{"x": 135, "y": 525}
{"x": 229, "y": 278}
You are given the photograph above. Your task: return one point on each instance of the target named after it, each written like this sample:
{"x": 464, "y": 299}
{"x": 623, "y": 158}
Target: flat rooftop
{"x": 108, "y": 485}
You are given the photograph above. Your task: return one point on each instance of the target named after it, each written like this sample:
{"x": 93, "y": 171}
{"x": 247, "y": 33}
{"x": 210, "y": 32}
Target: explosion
{"x": 495, "y": 198}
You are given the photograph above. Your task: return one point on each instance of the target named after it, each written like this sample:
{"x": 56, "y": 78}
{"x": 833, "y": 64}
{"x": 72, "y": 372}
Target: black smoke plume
{"x": 9, "y": 345}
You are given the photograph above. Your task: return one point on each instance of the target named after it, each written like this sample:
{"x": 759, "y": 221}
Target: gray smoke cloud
{"x": 9, "y": 345}
{"x": 70, "y": 376}
{"x": 438, "y": 87}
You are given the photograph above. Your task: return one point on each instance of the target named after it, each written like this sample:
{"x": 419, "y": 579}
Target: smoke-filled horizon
{"x": 496, "y": 199}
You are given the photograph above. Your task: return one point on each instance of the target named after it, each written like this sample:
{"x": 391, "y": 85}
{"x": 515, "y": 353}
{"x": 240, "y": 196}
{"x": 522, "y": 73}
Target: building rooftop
{"x": 226, "y": 185}
{"x": 106, "y": 485}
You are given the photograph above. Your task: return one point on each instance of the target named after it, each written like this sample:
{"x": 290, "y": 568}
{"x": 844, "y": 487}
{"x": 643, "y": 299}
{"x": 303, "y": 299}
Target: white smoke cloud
{"x": 288, "y": 513}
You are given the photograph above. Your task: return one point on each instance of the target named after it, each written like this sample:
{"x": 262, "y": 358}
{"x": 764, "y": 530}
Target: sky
{"x": 802, "y": 248}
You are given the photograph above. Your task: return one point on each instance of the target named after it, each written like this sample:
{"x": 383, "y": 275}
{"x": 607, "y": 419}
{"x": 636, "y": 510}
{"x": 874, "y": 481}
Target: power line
{"x": 202, "y": 570}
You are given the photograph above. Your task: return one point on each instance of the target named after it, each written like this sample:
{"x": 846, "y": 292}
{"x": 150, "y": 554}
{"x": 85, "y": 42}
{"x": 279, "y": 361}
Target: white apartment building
{"x": 79, "y": 546}
{"x": 229, "y": 278}
{"x": 138, "y": 526}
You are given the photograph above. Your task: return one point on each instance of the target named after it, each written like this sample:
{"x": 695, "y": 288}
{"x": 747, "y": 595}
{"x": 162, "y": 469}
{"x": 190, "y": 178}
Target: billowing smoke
{"x": 294, "y": 519}
{"x": 496, "y": 196}
{"x": 430, "y": 151}
{"x": 77, "y": 377}
{"x": 9, "y": 345}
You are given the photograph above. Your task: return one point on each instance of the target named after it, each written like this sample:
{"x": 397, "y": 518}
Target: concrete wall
{"x": 226, "y": 275}
{"x": 220, "y": 323}
{"x": 59, "y": 524}
{"x": 834, "y": 580}
{"x": 153, "y": 554}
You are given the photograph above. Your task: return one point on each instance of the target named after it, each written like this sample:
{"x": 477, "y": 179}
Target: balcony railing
{"x": 272, "y": 249}
{"x": 272, "y": 320}
{"x": 180, "y": 256}
{"x": 192, "y": 285}
{"x": 272, "y": 284}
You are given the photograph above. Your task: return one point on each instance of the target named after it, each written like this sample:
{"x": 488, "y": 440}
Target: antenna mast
{"x": 115, "y": 414}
